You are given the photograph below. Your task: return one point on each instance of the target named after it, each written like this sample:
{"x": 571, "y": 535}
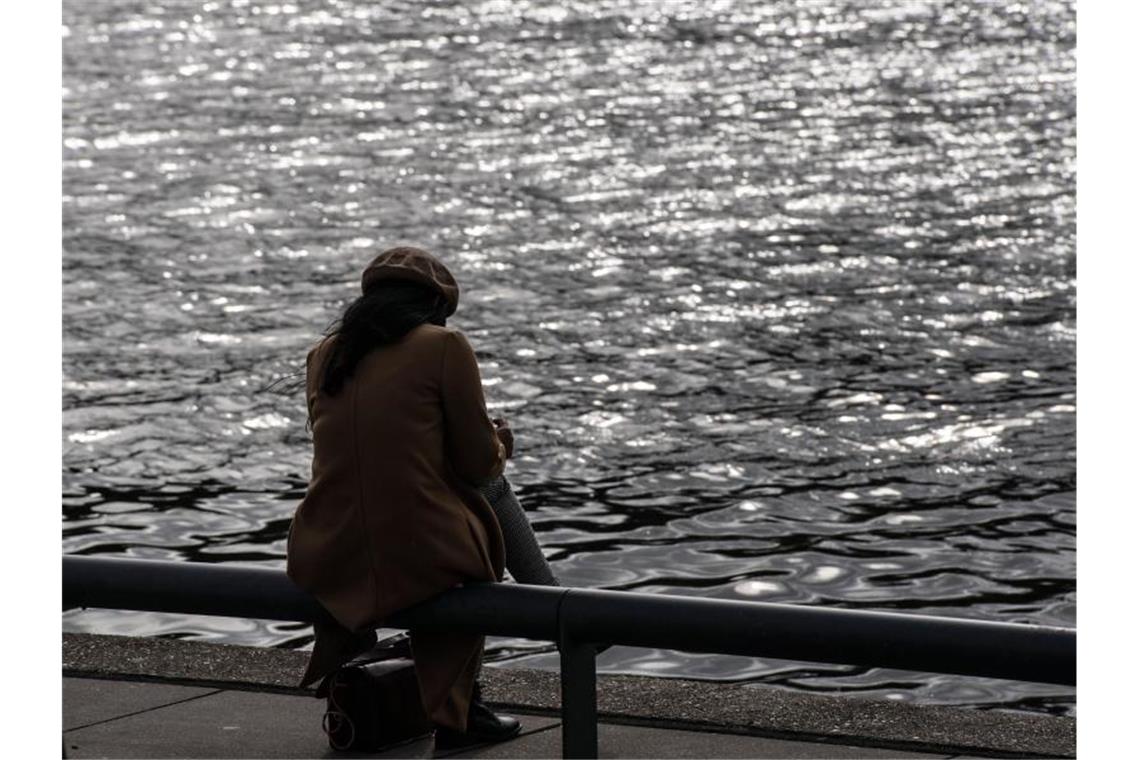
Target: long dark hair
{"x": 383, "y": 315}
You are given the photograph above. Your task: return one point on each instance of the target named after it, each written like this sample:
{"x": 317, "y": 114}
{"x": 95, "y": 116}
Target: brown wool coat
{"x": 392, "y": 515}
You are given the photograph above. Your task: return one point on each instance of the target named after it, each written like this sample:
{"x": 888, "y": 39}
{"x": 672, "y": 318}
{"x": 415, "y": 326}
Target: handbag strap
{"x": 329, "y": 729}
{"x": 337, "y": 712}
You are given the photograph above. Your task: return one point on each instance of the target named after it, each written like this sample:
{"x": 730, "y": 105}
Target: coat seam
{"x": 442, "y": 382}
{"x": 440, "y": 374}
{"x": 365, "y": 533}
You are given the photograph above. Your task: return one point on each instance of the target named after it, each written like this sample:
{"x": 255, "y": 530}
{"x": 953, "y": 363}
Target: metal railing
{"x": 579, "y": 620}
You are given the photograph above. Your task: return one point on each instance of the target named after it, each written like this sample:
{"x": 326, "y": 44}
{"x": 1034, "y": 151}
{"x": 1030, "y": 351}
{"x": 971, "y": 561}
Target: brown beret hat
{"x": 416, "y": 265}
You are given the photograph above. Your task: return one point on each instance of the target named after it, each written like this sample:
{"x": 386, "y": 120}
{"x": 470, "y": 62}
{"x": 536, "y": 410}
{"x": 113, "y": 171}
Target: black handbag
{"x": 373, "y": 703}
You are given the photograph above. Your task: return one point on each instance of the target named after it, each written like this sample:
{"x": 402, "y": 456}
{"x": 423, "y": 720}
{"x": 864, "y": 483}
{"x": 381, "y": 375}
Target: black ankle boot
{"x": 483, "y": 726}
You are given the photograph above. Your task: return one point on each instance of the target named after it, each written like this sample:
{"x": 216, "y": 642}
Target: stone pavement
{"x": 147, "y": 697}
{"x": 138, "y": 719}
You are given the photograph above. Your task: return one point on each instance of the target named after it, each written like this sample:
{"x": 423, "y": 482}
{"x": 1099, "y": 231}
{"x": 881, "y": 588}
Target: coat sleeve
{"x": 473, "y": 449}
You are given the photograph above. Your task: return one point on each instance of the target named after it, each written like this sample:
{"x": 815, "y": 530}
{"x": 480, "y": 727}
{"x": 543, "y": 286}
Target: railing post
{"x": 579, "y": 696}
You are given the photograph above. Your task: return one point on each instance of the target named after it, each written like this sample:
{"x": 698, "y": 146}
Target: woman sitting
{"x": 397, "y": 508}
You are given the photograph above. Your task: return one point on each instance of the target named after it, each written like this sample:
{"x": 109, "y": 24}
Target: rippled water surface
{"x": 779, "y": 297}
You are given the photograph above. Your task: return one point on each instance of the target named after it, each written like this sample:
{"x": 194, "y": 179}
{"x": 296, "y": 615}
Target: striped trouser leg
{"x": 525, "y": 560}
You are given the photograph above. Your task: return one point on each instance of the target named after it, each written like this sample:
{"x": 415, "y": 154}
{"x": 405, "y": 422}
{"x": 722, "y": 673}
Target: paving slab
{"x": 216, "y": 724}
{"x": 247, "y": 724}
{"x": 659, "y": 702}
{"x": 92, "y": 700}
{"x": 621, "y": 741}
{"x": 424, "y": 748}
{"x": 223, "y": 724}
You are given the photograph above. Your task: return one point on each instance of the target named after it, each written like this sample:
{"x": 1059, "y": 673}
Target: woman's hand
{"x": 506, "y": 437}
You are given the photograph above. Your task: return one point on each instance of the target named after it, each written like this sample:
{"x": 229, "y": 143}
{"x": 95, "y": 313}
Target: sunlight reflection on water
{"x": 780, "y": 298}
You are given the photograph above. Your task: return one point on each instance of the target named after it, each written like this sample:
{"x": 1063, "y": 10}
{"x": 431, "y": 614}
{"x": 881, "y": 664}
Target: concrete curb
{"x": 671, "y": 703}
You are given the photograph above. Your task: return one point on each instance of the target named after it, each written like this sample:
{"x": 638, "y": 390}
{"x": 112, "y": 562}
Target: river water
{"x": 779, "y": 297}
